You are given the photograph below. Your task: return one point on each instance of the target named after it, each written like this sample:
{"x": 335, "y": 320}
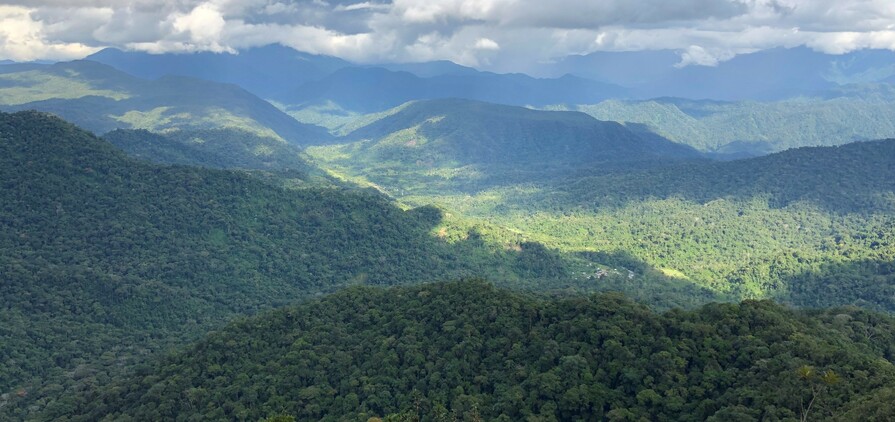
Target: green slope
{"x": 213, "y": 148}
{"x": 766, "y": 227}
{"x": 101, "y": 99}
{"x": 105, "y": 259}
{"x": 468, "y": 144}
{"x": 851, "y": 113}
{"x": 467, "y": 351}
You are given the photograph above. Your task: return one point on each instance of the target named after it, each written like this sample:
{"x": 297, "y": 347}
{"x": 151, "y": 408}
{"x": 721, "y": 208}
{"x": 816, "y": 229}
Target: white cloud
{"x": 204, "y": 25}
{"x": 486, "y": 44}
{"x": 498, "y": 34}
{"x": 22, "y": 38}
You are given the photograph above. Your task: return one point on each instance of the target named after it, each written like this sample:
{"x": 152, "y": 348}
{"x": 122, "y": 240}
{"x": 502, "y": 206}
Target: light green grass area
{"x": 25, "y": 87}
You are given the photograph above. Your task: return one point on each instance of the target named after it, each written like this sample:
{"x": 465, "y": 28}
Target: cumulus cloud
{"x": 497, "y": 34}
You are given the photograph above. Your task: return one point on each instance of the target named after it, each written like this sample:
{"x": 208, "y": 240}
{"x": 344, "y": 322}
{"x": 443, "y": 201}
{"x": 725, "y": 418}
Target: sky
{"x": 500, "y": 35}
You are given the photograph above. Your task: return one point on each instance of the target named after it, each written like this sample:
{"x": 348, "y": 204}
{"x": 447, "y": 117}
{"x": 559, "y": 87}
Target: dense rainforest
{"x": 811, "y": 226}
{"x": 469, "y": 351}
{"x": 212, "y": 258}
{"x": 104, "y": 258}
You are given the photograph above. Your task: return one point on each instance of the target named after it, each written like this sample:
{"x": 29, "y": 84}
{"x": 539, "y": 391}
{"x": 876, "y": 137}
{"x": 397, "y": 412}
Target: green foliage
{"x": 105, "y": 259}
{"x": 466, "y": 145}
{"x": 810, "y": 226}
{"x": 468, "y": 351}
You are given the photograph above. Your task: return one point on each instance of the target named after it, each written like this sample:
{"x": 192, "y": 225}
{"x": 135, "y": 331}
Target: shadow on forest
{"x": 865, "y": 283}
{"x": 852, "y": 178}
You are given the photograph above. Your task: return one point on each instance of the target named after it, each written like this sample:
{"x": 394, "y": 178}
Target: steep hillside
{"x": 477, "y": 144}
{"x": 264, "y": 71}
{"x": 106, "y": 259}
{"x": 101, "y": 99}
{"x": 377, "y": 89}
{"x": 466, "y": 351}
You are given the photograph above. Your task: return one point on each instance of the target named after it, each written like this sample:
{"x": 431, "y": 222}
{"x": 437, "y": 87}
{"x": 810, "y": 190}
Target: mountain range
{"x": 101, "y": 98}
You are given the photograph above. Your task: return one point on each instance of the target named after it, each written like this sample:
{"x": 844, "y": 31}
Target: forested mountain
{"x": 858, "y": 178}
{"x": 474, "y": 144}
{"x": 264, "y": 71}
{"x": 366, "y": 90}
{"x": 467, "y": 351}
{"x": 846, "y": 114}
{"x": 214, "y": 148}
{"x": 106, "y": 259}
{"x": 101, "y": 99}
{"x": 811, "y": 226}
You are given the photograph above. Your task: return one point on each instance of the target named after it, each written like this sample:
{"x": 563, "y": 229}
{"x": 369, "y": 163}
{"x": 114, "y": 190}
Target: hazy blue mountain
{"x": 264, "y": 71}
{"x": 626, "y": 68}
{"x": 429, "y": 69}
{"x": 377, "y": 89}
{"x": 101, "y": 98}
{"x": 764, "y": 75}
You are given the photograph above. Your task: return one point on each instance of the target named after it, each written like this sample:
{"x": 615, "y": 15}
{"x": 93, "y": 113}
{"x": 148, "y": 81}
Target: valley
{"x": 278, "y": 235}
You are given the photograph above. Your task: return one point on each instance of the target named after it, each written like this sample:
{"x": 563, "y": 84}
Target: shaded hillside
{"x": 101, "y": 99}
{"x": 476, "y": 132}
{"x": 466, "y": 351}
{"x": 264, "y": 71}
{"x": 857, "y": 177}
{"x": 106, "y": 259}
{"x": 476, "y": 144}
{"x": 377, "y": 89}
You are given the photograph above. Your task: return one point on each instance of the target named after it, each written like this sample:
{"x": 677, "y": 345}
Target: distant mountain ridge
{"x": 458, "y": 144}
{"x": 264, "y": 71}
{"x": 771, "y": 74}
{"x": 478, "y": 132}
{"x": 102, "y": 98}
{"x": 377, "y": 89}
{"x": 845, "y": 114}
{"x": 299, "y": 79}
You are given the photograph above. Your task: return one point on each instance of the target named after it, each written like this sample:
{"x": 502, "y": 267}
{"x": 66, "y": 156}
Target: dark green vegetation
{"x": 105, "y": 259}
{"x": 468, "y": 144}
{"x": 100, "y": 98}
{"x": 468, "y": 351}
